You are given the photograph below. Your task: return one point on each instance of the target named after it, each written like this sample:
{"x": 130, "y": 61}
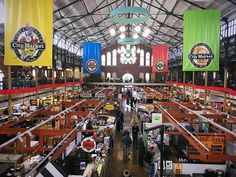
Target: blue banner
{"x": 92, "y": 58}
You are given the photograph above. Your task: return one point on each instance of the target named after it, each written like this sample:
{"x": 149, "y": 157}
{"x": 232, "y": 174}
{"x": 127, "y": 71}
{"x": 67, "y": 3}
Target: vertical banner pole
{"x": 9, "y": 95}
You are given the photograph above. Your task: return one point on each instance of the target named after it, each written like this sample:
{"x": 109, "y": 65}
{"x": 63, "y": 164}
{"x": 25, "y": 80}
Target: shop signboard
{"x": 201, "y": 40}
{"x": 88, "y": 144}
{"x": 149, "y": 108}
{"x": 100, "y": 95}
{"x": 156, "y": 117}
{"x": 177, "y": 168}
{"x": 109, "y": 107}
{"x": 85, "y": 95}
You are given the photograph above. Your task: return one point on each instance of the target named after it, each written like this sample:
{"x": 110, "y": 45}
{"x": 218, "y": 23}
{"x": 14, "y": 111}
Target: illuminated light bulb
{"x": 122, "y": 36}
{"x": 147, "y": 30}
{"x": 145, "y": 34}
{"x": 122, "y": 28}
{"x": 135, "y": 36}
{"x": 112, "y": 31}
{"x": 138, "y": 50}
{"x": 137, "y": 28}
{"x": 118, "y": 50}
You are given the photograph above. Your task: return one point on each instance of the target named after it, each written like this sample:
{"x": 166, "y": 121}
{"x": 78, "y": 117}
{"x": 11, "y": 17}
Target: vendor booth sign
{"x": 88, "y": 144}
{"x": 156, "y": 118}
{"x": 177, "y": 168}
{"x": 86, "y": 95}
{"x": 149, "y": 108}
{"x": 109, "y": 107}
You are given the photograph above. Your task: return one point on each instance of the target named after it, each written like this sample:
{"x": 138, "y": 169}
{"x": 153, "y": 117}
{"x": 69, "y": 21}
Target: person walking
{"x": 127, "y": 141}
{"x": 135, "y": 130}
{"x": 141, "y": 150}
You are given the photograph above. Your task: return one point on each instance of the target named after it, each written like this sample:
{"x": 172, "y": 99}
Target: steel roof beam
{"x": 95, "y": 10}
{"x": 67, "y": 5}
{"x": 167, "y": 12}
{"x": 232, "y": 1}
{"x": 194, "y": 4}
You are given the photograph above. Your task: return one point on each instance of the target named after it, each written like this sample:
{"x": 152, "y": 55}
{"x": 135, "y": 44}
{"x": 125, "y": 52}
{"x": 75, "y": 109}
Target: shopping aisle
{"x": 118, "y": 163}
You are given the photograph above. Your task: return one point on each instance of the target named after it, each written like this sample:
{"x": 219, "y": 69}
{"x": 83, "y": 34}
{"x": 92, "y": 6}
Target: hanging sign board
{"x": 88, "y": 144}
{"x": 100, "y": 95}
{"x": 149, "y": 108}
{"x": 201, "y": 40}
{"x": 177, "y": 168}
{"x": 109, "y": 107}
{"x": 86, "y": 95}
{"x": 156, "y": 117}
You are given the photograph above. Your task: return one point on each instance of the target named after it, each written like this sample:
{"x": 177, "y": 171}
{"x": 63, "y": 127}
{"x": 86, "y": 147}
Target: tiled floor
{"x": 118, "y": 162}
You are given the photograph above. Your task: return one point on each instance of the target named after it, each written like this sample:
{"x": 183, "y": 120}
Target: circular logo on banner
{"x": 88, "y": 144}
{"x": 92, "y": 65}
{"x": 28, "y": 44}
{"x": 160, "y": 65}
{"x": 201, "y": 55}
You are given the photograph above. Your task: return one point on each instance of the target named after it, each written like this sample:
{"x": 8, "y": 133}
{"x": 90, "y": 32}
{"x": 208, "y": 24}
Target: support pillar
{"x": 36, "y": 79}
{"x": 206, "y": 83}
{"x": 193, "y": 82}
{"x": 177, "y": 76}
{"x": 53, "y": 88}
{"x": 225, "y": 86}
{"x": 9, "y": 95}
{"x": 73, "y": 77}
{"x": 184, "y": 78}
{"x": 64, "y": 94}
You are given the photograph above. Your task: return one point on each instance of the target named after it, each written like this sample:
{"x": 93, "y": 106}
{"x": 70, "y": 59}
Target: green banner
{"x": 201, "y": 40}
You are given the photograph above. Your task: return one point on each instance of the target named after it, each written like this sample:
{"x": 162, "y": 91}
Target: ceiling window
{"x": 114, "y": 57}
{"x": 108, "y": 58}
{"x": 103, "y": 60}
{"x": 148, "y": 58}
{"x": 142, "y": 57}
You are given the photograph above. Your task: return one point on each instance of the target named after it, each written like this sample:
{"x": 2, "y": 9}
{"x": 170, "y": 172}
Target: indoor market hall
{"x": 117, "y": 88}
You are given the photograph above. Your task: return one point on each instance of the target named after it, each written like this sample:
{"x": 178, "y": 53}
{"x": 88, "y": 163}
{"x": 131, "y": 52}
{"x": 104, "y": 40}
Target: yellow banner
{"x": 28, "y": 32}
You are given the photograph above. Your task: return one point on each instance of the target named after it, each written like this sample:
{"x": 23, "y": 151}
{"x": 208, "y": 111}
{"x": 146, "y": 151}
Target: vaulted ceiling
{"x": 89, "y": 20}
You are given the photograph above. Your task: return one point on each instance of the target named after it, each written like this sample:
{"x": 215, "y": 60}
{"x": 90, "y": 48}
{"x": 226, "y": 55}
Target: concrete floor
{"x": 119, "y": 162}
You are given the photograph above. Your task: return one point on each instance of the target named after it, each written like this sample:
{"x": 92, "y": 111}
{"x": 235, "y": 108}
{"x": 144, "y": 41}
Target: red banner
{"x": 160, "y": 58}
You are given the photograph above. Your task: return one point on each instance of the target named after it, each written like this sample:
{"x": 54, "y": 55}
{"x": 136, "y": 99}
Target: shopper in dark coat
{"x": 127, "y": 141}
{"x": 141, "y": 150}
{"x": 135, "y": 130}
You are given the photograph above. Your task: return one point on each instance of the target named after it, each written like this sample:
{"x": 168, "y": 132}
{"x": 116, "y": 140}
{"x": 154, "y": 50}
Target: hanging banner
{"x": 201, "y": 40}
{"x": 28, "y": 32}
{"x": 160, "y": 58}
{"x": 92, "y": 58}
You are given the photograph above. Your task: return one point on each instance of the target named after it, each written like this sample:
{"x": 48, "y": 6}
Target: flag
{"x": 201, "y": 40}
{"x": 160, "y": 58}
{"x": 28, "y": 32}
{"x": 92, "y": 58}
